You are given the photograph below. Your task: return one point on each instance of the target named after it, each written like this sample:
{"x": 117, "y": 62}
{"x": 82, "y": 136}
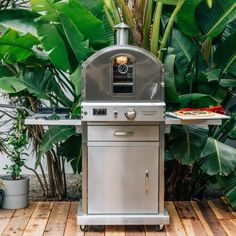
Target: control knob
{"x": 130, "y": 114}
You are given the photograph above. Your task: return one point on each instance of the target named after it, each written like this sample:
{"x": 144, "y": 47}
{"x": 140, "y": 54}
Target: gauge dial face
{"x": 123, "y": 68}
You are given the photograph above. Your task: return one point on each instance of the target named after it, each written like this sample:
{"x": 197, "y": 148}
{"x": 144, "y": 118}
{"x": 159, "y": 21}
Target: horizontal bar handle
{"x": 123, "y": 133}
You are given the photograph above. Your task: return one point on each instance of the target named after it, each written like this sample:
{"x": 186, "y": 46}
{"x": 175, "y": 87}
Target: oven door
{"x": 123, "y": 177}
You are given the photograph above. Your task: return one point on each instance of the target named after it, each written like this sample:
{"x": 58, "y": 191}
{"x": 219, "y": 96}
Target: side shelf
{"x": 175, "y": 121}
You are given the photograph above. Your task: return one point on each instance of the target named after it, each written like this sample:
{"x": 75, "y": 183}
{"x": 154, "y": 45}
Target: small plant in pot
{"x": 16, "y": 186}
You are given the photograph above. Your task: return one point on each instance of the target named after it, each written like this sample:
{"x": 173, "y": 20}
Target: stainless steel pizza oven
{"x": 123, "y": 114}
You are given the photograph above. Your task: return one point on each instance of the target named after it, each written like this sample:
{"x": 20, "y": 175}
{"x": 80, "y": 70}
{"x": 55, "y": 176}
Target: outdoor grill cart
{"x": 123, "y": 125}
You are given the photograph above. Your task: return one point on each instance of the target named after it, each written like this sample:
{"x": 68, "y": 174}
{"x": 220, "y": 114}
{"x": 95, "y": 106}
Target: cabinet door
{"x": 123, "y": 179}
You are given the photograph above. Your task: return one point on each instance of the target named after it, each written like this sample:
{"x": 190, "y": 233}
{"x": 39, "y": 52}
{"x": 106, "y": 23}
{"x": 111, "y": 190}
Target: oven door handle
{"x": 123, "y": 133}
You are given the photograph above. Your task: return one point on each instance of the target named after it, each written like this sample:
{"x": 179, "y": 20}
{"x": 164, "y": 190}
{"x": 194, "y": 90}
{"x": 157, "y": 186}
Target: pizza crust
{"x": 194, "y": 113}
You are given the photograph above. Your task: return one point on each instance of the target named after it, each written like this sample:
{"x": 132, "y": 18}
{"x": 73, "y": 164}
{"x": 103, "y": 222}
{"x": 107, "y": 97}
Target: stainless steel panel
{"x": 124, "y": 219}
{"x": 117, "y": 180}
{"x": 145, "y": 111}
{"x": 123, "y": 133}
{"x": 97, "y": 75}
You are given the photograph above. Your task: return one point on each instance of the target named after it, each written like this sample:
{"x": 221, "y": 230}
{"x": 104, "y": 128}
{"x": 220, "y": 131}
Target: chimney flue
{"x": 122, "y": 34}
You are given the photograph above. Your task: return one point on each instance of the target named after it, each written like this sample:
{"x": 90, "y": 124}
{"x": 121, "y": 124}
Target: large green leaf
{"x": 76, "y": 80}
{"x": 91, "y": 27}
{"x": 187, "y": 142}
{"x": 213, "y": 21}
{"x": 11, "y": 85}
{"x": 185, "y": 49}
{"x": 229, "y": 29}
{"x": 71, "y": 150}
{"x": 96, "y": 7}
{"x": 225, "y": 55}
{"x": 54, "y": 135}
{"x": 228, "y": 83}
{"x": 75, "y": 38}
{"x": 171, "y": 94}
{"x": 197, "y": 100}
{"x": 228, "y": 184}
{"x": 218, "y": 158}
{"x": 41, "y": 84}
{"x": 186, "y": 18}
{"x": 45, "y": 8}
{"x": 232, "y": 133}
{"x": 15, "y": 47}
{"x": 54, "y": 45}
{"x": 21, "y": 20}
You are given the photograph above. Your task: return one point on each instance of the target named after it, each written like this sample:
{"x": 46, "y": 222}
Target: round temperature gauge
{"x": 123, "y": 68}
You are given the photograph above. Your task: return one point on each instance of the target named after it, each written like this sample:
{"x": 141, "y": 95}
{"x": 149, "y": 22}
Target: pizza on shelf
{"x": 194, "y": 113}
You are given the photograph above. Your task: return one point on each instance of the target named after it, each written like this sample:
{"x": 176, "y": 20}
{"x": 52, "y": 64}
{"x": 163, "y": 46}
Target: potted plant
{"x": 16, "y": 186}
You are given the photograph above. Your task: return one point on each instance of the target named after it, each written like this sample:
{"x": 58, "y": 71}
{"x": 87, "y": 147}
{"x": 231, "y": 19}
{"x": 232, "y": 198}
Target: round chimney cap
{"x": 121, "y": 26}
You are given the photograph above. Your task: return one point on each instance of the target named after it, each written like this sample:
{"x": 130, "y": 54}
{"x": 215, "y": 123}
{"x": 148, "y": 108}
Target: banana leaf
{"x": 75, "y": 78}
{"x": 171, "y": 94}
{"x": 71, "y": 150}
{"x": 54, "y": 135}
{"x": 76, "y": 39}
{"x": 21, "y": 20}
{"x": 225, "y": 55}
{"x": 91, "y": 27}
{"x": 41, "y": 83}
{"x": 218, "y": 158}
{"x": 229, "y": 29}
{"x": 15, "y": 47}
{"x": 213, "y": 21}
{"x": 232, "y": 133}
{"x": 54, "y": 45}
{"x": 187, "y": 142}
{"x": 95, "y": 7}
{"x": 185, "y": 49}
{"x": 11, "y": 85}
{"x": 197, "y": 100}
{"x": 228, "y": 184}
{"x": 186, "y": 18}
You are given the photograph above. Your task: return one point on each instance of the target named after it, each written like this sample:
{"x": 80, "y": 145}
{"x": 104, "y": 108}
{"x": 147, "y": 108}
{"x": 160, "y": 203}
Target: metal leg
{"x": 84, "y": 228}
{"x": 159, "y": 228}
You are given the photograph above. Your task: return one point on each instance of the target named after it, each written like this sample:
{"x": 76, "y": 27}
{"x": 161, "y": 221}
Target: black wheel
{"x": 84, "y": 228}
{"x": 159, "y": 228}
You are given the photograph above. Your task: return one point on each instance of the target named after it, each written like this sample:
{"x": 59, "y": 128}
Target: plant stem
{"x": 156, "y": 29}
{"x": 37, "y": 175}
{"x": 169, "y": 27}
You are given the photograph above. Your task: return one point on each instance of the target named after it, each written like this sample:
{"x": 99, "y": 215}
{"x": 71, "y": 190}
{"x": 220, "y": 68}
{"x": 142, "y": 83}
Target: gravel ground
{"x": 73, "y": 188}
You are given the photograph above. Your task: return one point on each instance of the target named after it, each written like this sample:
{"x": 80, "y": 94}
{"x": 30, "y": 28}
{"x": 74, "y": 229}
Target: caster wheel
{"x": 84, "y": 228}
{"x": 159, "y": 228}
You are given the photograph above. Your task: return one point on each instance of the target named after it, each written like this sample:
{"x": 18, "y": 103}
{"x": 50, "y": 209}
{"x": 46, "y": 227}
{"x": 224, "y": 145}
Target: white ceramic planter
{"x": 16, "y": 193}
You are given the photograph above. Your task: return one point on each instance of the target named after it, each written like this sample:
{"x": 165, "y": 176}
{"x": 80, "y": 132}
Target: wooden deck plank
{"x": 73, "y": 210}
{"x": 57, "y": 220}
{"x": 5, "y": 217}
{"x": 208, "y": 219}
{"x": 35, "y": 227}
{"x": 72, "y": 229}
{"x": 42, "y": 210}
{"x": 175, "y": 227}
{"x": 114, "y": 230}
{"x": 185, "y": 210}
{"x": 193, "y": 227}
{"x": 19, "y": 221}
{"x": 229, "y": 226}
{"x": 134, "y": 230}
{"x": 221, "y": 210}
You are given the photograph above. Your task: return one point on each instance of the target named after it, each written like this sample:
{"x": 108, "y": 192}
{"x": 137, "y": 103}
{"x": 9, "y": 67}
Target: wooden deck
{"x": 213, "y": 217}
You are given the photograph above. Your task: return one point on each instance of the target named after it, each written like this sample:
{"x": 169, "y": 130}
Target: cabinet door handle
{"x": 146, "y": 181}
{"x": 123, "y": 133}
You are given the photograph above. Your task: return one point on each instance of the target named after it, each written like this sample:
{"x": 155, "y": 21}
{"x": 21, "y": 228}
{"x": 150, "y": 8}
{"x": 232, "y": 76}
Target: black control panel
{"x": 99, "y": 111}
